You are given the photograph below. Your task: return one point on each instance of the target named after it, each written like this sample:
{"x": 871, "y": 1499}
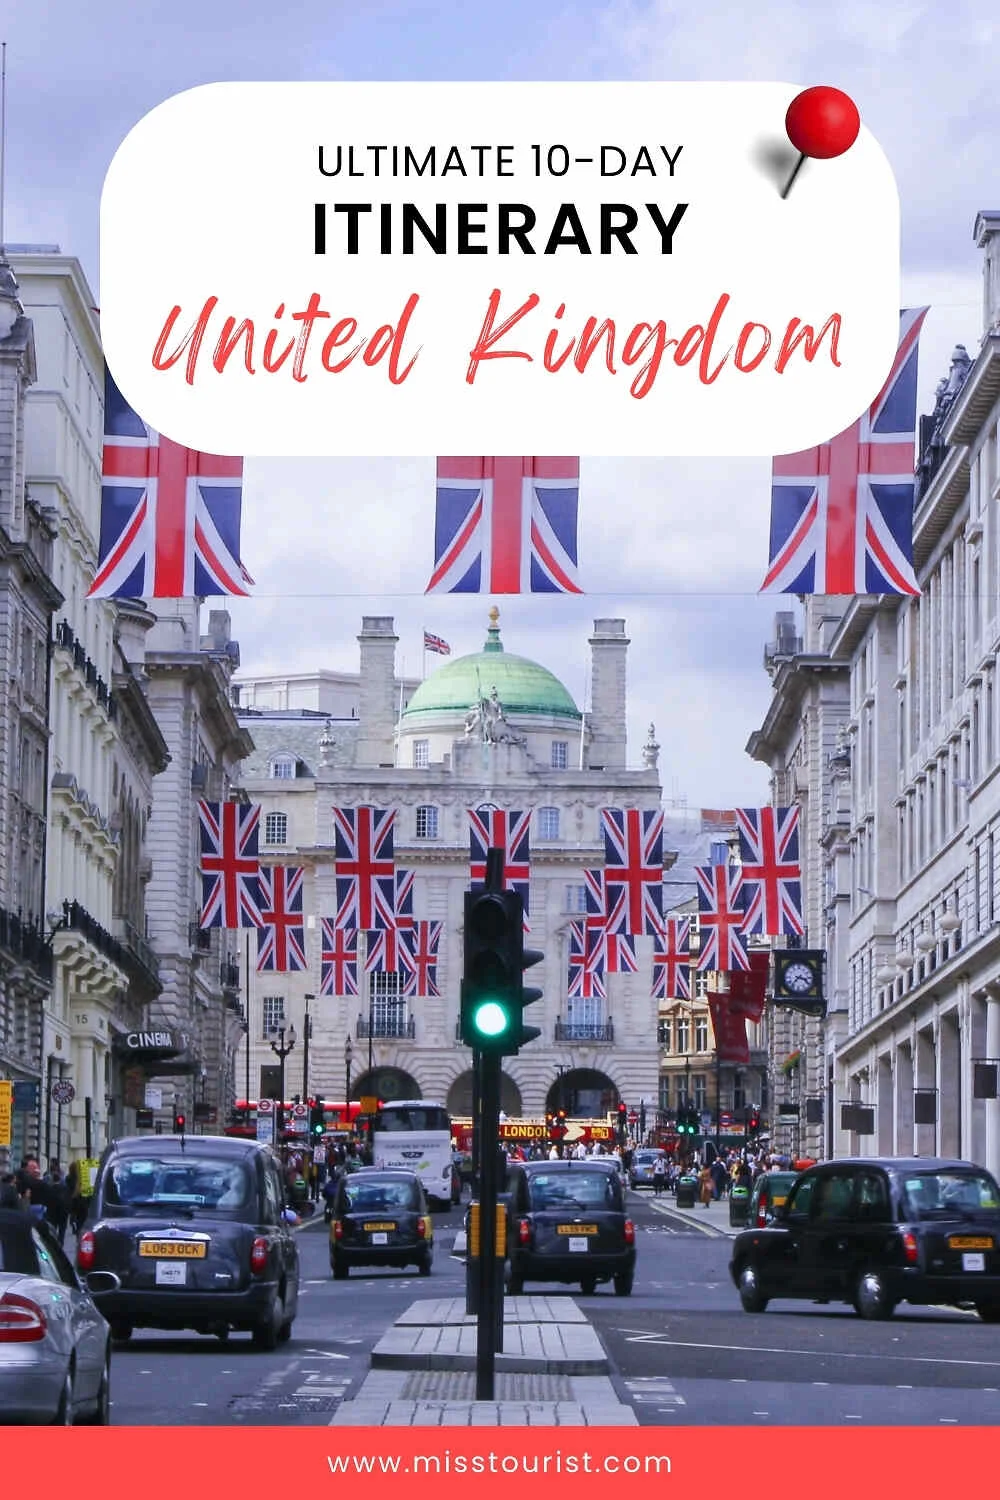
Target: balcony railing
{"x": 229, "y": 974}
{"x": 585, "y": 1031}
{"x": 26, "y": 941}
{"x": 401, "y": 1027}
{"x": 200, "y": 937}
{"x": 142, "y": 955}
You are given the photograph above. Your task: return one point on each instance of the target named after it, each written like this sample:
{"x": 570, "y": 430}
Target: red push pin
{"x": 821, "y": 122}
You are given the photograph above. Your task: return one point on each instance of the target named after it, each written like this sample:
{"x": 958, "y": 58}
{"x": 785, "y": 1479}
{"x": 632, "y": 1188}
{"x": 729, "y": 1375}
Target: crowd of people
{"x": 54, "y": 1195}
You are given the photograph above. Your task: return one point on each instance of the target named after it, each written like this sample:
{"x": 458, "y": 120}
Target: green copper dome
{"x": 523, "y": 686}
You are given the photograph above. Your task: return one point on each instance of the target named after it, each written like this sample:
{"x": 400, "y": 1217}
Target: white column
{"x": 991, "y": 1107}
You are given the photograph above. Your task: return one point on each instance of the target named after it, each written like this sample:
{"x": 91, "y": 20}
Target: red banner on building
{"x": 730, "y": 1030}
{"x": 748, "y": 989}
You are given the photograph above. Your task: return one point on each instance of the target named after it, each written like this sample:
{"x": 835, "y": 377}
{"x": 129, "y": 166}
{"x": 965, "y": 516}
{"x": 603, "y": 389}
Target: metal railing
{"x": 229, "y": 974}
{"x": 402, "y": 1027}
{"x": 26, "y": 941}
{"x": 585, "y": 1031}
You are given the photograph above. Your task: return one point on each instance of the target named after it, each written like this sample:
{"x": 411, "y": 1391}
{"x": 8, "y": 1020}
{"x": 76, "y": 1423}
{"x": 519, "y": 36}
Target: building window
{"x": 664, "y": 1034}
{"x": 276, "y": 828}
{"x": 548, "y": 822}
{"x": 283, "y": 767}
{"x": 699, "y": 1090}
{"x": 387, "y": 1006}
{"x": 665, "y": 1093}
{"x": 273, "y": 1013}
{"x": 683, "y": 1034}
{"x": 560, "y": 755}
{"x": 421, "y": 754}
{"x": 427, "y": 822}
{"x": 576, "y": 898}
{"x": 701, "y": 1034}
{"x": 700, "y": 984}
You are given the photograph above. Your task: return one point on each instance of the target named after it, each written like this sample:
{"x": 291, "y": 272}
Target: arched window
{"x": 283, "y": 767}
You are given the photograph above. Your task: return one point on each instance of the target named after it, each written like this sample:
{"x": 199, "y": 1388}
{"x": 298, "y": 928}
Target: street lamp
{"x": 307, "y": 1031}
{"x": 281, "y": 1049}
{"x": 348, "y": 1059}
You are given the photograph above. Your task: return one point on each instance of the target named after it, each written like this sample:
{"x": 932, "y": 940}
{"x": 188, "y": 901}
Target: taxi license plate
{"x": 778, "y": 1202}
{"x": 371, "y": 1228}
{"x": 171, "y": 1273}
{"x": 173, "y": 1249}
{"x": 970, "y": 1242}
{"x": 577, "y": 1244}
{"x": 576, "y": 1229}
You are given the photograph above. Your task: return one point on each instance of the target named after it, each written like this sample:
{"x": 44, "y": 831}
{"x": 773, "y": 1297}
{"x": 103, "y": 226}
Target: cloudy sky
{"x": 677, "y": 547}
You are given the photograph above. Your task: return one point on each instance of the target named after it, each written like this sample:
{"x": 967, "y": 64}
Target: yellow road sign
{"x": 368, "y": 1104}
{"x": 6, "y": 1112}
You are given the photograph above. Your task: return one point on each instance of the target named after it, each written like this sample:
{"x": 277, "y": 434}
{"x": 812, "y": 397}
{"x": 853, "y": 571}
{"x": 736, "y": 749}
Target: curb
{"x": 515, "y": 1364}
{"x": 712, "y": 1230}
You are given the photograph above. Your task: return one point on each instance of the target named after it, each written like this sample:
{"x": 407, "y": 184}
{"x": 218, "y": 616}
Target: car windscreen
{"x": 777, "y": 1184}
{"x": 585, "y": 1190}
{"x": 191, "y": 1184}
{"x": 412, "y": 1117}
{"x": 361, "y": 1197}
{"x": 950, "y": 1193}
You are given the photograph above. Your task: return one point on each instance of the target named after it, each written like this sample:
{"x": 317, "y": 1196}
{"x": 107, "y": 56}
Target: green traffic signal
{"x": 491, "y": 1019}
{"x": 493, "y": 992}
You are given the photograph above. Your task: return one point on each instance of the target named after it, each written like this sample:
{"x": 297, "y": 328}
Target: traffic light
{"x": 317, "y": 1119}
{"x": 622, "y": 1115}
{"x": 687, "y": 1121}
{"x": 753, "y": 1120}
{"x": 180, "y": 1124}
{"x": 556, "y": 1125}
{"x": 493, "y": 990}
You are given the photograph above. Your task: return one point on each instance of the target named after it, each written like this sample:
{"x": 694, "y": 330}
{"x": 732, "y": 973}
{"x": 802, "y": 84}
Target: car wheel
{"x": 424, "y": 1266}
{"x": 121, "y": 1332}
{"x": 340, "y": 1271}
{"x": 64, "y": 1411}
{"x": 266, "y": 1334}
{"x": 102, "y": 1411}
{"x": 285, "y": 1331}
{"x": 623, "y": 1284}
{"x": 588, "y": 1285}
{"x": 515, "y": 1285}
{"x": 871, "y": 1298}
{"x": 989, "y": 1312}
{"x": 751, "y": 1296}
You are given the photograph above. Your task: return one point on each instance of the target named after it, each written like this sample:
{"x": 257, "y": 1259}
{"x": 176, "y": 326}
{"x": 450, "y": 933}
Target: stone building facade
{"x": 431, "y": 763}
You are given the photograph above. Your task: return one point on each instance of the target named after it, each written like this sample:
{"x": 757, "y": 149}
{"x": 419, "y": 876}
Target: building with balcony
{"x": 431, "y": 763}
{"x": 28, "y": 600}
{"x": 887, "y": 723}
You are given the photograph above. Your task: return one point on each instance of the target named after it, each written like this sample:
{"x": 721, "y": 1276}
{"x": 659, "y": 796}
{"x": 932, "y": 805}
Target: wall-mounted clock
{"x": 798, "y": 979}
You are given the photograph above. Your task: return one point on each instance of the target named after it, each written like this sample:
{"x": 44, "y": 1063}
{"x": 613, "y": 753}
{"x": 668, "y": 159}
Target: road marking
{"x": 852, "y": 1416}
{"x": 916, "y": 1359}
{"x": 947, "y": 1419}
{"x": 762, "y": 1413}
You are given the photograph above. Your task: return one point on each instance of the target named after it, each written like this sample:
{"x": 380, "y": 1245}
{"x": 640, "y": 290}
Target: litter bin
{"x": 739, "y": 1205}
{"x": 687, "y": 1187}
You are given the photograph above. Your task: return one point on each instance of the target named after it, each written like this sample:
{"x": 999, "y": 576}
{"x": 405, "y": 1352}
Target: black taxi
{"x": 380, "y": 1217}
{"x": 194, "y": 1228}
{"x": 875, "y": 1232}
{"x": 566, "y": 1221}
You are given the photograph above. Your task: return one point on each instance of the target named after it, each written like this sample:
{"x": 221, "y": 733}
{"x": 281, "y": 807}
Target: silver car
{"x": 55, "y": 1347}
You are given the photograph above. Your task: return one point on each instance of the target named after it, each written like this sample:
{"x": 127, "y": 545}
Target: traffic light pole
{"x": 490, "y": 1294}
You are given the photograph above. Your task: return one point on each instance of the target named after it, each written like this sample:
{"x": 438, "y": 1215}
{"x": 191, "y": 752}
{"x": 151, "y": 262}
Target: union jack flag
{"x": 506, "y": 526}
{"x": 281, "y": 940}
{"x": 672, "y": 960}
{"x": 421, "y": 942}
{"x": 842, "y": 513}
{"x": 230, "y": 864}
{"x": 170, "y": 516}
{"x": 509, "y": 831}
{"x": 586, "y": 970}
{"x": 633, "y": 860}
{"x": 436, "y": 643}
{"x": 720, "y": 918}
{"x": 771, "y": 873}
{"x": 386, "y": 952}
{"x": 605, "y": 929}
{"x": 338, "y": 968}
{"x": 364, "y": 868}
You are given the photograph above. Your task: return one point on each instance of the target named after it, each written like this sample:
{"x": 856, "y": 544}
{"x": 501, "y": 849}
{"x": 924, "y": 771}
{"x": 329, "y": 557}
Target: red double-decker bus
{"x": 337, "y": 1118}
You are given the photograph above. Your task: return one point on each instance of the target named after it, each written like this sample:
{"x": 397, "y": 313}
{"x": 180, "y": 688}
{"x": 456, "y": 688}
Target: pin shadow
{"x": 775, "y": 160}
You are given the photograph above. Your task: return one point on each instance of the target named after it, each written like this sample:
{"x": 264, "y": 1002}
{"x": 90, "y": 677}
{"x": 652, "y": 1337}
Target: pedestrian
{"x": 659, "y": 1176}
{"x": 706, "y": 1185}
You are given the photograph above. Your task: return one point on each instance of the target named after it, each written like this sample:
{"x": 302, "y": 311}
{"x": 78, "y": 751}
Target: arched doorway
{"x": 584, "y": 1093}
{"x": 387, "y": 1084}
{"x": 459, "y": 1099}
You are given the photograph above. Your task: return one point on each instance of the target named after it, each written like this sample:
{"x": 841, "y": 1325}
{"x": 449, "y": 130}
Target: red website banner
{"x": 438, "y": 1463}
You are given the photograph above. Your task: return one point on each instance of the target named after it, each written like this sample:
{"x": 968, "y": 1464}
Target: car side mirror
{"x": 100, "y": 1282}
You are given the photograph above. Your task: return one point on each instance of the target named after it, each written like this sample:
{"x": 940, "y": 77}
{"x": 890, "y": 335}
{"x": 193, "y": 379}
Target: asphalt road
{"x": 684, "y": 1351}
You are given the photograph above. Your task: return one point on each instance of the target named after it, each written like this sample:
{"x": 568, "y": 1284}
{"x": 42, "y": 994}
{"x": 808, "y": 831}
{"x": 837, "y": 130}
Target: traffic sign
{"x": 265, "y": 1106}
{"x": 633, "y": 1118}
{"x": 368, "y": 1104}
{"x": 300, "y": 1111}
{"x": 265, "y": 1126}
{"x": 6, "y": 1111}
{"x": 63, "y": 1091}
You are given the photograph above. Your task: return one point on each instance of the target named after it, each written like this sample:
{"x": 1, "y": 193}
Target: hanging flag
{"x": 364, "y": 868}
{"x": 385, "y": 952}
{"x": 492, "y": 828}
{"x": 633, "y": 864}
{"x": 586, "y": 972}
{"x": 506, "y": 526}
{"x": 338, "y": 959}
{"x": 281, "y": 939}
{"x": 170, "y": 516}
{"x": 771, "y": 873}
{"x": 672, "y": 960}
{"x": 730, "y": 1029}
{"x": 720, "y": 918}
{"x": 842, "y": 513}
{"x": 605, "y": 930}
{"x": 748, "y": 989}
{"x": 230, "y": 864}
{"x": 421, "y": 942}
{"x": 436, "y": 643}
